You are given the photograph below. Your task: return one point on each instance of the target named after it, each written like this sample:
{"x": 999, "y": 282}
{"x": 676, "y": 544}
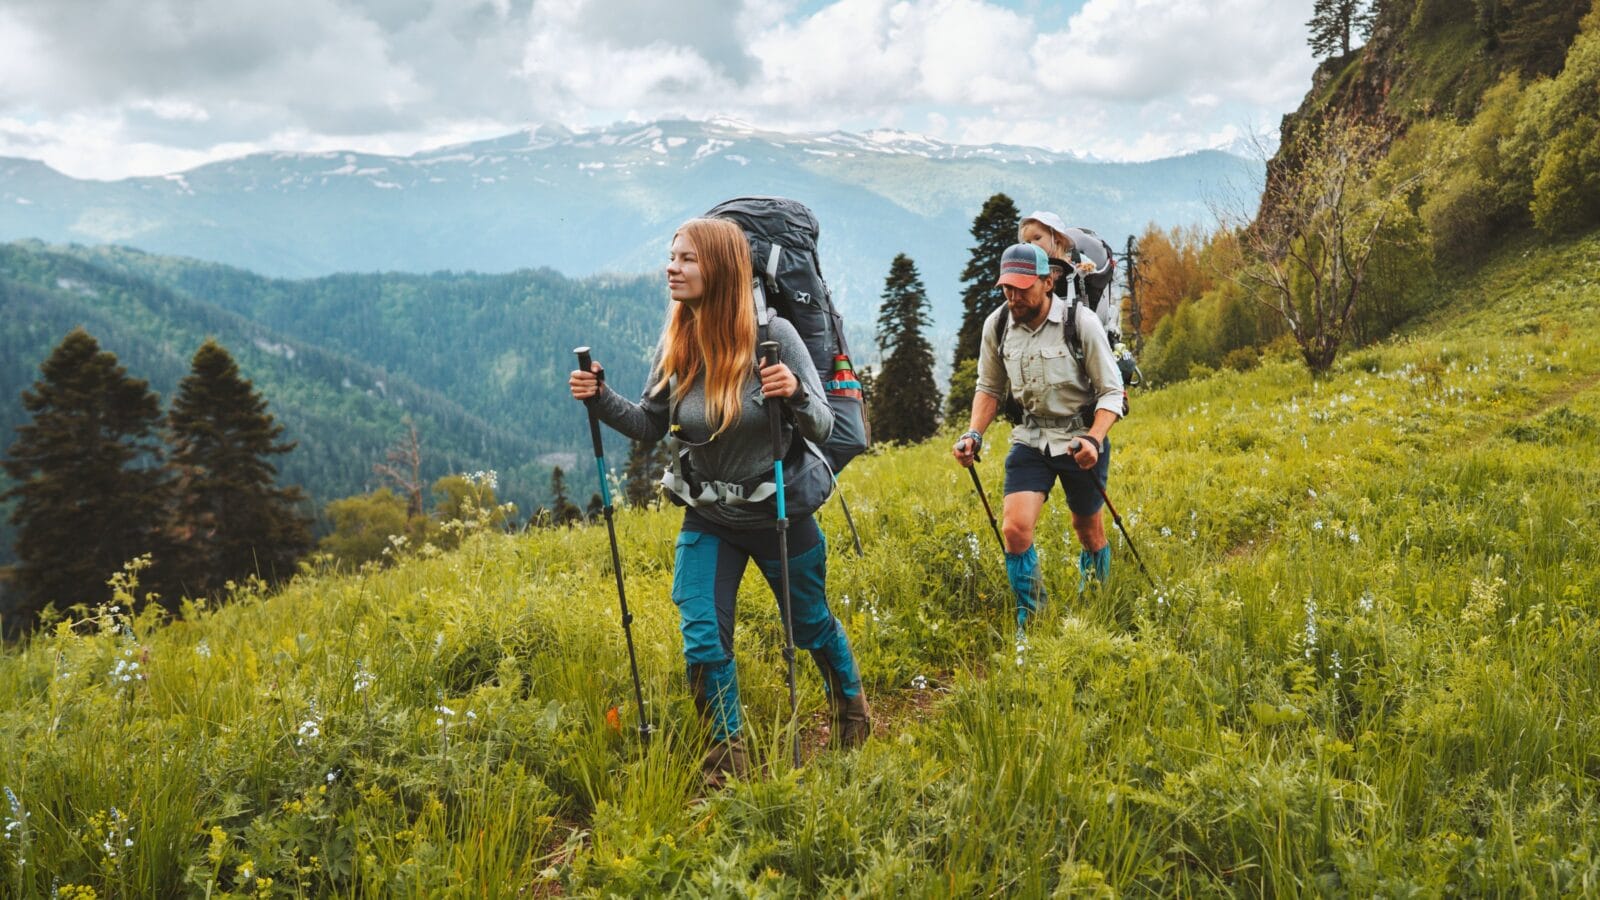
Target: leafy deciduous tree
{"x": 363, "y": 525}
{"x": 1320, "y": 222}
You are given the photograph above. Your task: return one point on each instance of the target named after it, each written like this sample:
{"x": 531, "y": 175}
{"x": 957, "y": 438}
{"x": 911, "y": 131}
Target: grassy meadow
{"x": 1372, "y": 667}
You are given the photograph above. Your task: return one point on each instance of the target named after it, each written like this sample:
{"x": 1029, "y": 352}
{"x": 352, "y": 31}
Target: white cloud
{"x": 143, "y": 80}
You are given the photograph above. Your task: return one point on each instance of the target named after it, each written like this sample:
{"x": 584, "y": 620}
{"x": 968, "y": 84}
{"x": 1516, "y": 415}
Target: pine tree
{"x": 88, "y": 484}
{"x": 1331, "y": 23}
{"x": 906, "y": 405}
{"x": 562, "y": 510}
{"x": 646, "y": 462}
{"x": 994, "y": 229}
{"x": 231, "y": 517}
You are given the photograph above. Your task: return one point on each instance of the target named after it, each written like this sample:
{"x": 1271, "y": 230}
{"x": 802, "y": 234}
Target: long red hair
{"x": 717, "y": 335}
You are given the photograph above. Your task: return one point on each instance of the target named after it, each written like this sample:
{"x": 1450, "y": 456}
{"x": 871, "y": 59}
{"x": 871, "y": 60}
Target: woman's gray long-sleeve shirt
{"x": 744, "y": 450}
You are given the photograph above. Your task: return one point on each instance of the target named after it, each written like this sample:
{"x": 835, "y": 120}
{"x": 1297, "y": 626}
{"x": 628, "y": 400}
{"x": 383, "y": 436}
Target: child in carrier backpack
{"x": 709, "y": 387}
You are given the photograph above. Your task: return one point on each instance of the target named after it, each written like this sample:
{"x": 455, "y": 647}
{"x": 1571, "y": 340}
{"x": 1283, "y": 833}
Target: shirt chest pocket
{"x": 1017, "y": 369}
{"x": 1056, "y": 366}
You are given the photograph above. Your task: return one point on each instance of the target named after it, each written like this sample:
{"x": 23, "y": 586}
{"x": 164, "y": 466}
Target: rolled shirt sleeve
{"x": 992, "y": 378}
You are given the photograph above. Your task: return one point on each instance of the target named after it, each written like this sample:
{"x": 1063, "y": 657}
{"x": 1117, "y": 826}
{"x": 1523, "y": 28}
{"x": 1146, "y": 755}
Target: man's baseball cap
{"x": 1022, "y": 264}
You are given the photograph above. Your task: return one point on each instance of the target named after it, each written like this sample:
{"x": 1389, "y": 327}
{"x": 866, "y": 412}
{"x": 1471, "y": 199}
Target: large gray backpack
{"x": 783, "y": 250}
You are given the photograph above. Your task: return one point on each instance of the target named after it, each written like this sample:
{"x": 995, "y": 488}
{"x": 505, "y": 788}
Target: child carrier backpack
{"x": 1086, "y": 245}
{"x": 783, "y": 251}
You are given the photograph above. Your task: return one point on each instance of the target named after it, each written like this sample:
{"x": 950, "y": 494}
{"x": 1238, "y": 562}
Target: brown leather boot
{"x": 852, "y": 720}
{"x": 725, "y": 760}
{"x": 852, "y": 716}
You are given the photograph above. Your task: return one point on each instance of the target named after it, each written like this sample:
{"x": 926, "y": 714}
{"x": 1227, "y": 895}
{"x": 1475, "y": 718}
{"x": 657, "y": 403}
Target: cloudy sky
{"x": 110, "y": 88}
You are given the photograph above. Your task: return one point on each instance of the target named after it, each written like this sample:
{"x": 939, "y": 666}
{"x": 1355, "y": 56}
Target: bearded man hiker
{"x": 1052, "y": 357}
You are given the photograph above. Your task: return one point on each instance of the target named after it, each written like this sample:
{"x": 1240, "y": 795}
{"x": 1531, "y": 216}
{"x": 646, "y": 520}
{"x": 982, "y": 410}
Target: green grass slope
{"x": 1373, "y": 668}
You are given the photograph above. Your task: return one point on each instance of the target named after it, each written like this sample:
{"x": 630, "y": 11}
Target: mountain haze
{"x": 604, "y": 201}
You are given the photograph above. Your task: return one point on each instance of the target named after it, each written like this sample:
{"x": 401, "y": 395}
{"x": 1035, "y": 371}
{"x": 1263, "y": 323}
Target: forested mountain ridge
{"x": 343, "y": 360}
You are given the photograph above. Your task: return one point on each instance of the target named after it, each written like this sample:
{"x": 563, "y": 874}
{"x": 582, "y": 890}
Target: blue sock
{"x": 1095, "y": 565}
{"x": 1022, "y": 570}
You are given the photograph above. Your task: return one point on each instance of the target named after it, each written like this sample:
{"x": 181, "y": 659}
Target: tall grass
{"x": 1372, "y": 667}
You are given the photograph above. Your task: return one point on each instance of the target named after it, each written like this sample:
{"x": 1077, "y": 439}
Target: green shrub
{"x": 1566, "y": 193}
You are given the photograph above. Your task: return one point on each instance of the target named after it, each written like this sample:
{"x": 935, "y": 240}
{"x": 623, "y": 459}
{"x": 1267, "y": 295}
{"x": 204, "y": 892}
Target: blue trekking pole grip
{"x": 584, "y": 365}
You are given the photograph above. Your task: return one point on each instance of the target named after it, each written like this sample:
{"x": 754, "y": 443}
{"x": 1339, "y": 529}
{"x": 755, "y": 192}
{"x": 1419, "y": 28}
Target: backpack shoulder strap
{"x": 1001, "y": 327}
{"x": 1069, "y": 331}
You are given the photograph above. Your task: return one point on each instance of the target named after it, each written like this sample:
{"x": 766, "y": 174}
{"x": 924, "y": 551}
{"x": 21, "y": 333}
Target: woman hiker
{"x": 709, "y": 387}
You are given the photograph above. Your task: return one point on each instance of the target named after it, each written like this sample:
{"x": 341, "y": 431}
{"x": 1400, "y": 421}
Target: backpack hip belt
{"x": 710, "y": 493}
{"x": 1071, "y": 423}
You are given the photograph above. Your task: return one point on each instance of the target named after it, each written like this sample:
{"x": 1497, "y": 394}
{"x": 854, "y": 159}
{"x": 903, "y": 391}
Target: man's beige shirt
{"x": 1041, "y": 372}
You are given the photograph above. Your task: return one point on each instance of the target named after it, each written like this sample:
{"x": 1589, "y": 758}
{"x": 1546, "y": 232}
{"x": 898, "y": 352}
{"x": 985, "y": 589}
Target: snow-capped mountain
{"x": 607, "y": 199}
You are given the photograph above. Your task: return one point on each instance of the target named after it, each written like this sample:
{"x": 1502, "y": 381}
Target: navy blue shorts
{"x": 1028, "y": 469}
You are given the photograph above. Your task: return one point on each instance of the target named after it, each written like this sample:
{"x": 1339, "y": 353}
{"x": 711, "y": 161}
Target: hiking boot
{"x": 852, "y": 720}
{"x": 725, "y": 760}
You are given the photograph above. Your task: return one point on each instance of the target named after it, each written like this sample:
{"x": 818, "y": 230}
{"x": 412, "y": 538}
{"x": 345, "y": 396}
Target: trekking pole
{"x": 1073, "y": 448}
{"x": 769, "y": 352}
{"x": 645, "y": 728}
{"x": 856, "y": 535}
{"x": 973, "y": 471}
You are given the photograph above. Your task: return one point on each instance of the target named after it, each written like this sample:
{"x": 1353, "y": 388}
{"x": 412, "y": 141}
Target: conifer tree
{"x": 906, "y": 402}
{"x": 231, "y": 517}
{"x": 994, "y": 229}
{"x": 87, "y": 480}
{"x": 646, "y": 462}
{"x": 1331, "y": 23}
{"x": 562, "y": 510}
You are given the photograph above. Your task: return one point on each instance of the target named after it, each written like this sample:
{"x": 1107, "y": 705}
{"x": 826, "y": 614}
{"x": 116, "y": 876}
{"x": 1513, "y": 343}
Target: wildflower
{"x": 1355, "y": 538}
{"x": 363, "y": 679}
{"x": 202, "y": 649}
{"x": 1365, "y": 603}
{"x": 1166, "y": 532}
{"x": 920, "y": 683}
{"x": 311, "y": 728}
{"x": 1317, "y": 525}
{"x": 1311, "y": 627}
